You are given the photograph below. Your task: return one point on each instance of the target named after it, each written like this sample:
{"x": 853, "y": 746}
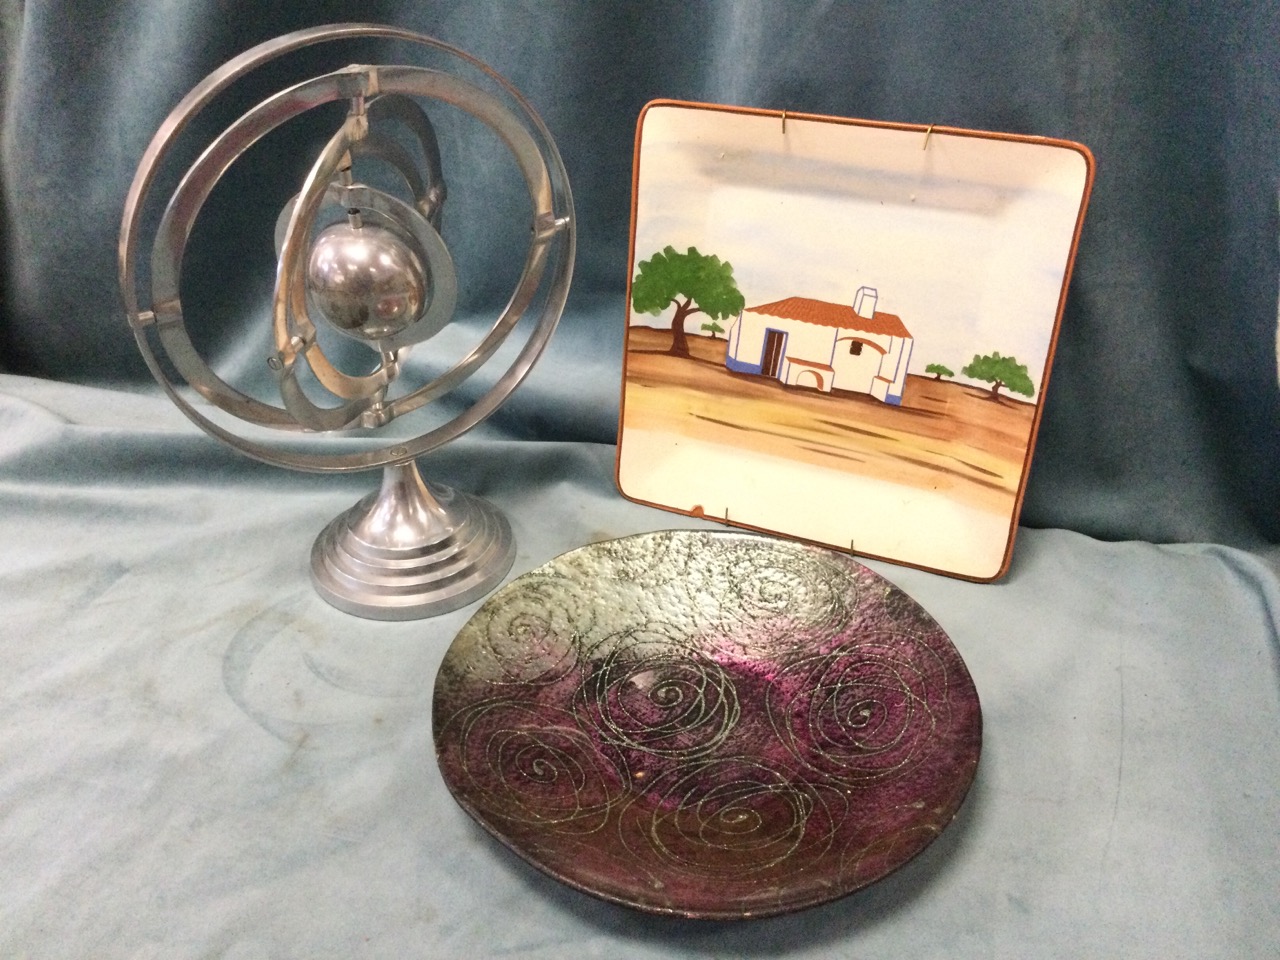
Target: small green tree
{"x": 1000, "y": 372}
{"x": 714, "y": 328}
{"x": 939, "y": 371}
{"x": 693, "y": 282}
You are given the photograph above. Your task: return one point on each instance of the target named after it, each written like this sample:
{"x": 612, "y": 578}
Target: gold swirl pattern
{"x": 708, "y": 724}
{"x": 728, "y": 818}
{"x": 648, "y": 692}
{"x": 524, "y": 768}
{"x": 534, "y": 637}
{"x": 862, "y": 712}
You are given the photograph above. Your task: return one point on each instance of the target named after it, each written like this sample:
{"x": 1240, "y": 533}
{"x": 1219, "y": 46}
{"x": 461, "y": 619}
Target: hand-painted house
{"x": 824, "y": 346}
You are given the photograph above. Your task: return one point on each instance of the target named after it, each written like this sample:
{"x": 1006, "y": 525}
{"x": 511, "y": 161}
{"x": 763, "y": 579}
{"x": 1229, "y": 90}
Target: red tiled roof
{"x": 832, "y": 315}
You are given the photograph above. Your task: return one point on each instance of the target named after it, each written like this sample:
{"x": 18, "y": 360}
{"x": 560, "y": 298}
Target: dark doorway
{"x": 773, "y": 343}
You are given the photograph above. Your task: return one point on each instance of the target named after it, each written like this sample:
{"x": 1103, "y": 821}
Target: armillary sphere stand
{"x": 373, "y": 267}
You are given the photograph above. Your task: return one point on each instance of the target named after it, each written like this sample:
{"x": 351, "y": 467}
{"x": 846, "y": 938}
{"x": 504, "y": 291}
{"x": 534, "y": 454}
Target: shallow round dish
{"x": 707, "y": 724}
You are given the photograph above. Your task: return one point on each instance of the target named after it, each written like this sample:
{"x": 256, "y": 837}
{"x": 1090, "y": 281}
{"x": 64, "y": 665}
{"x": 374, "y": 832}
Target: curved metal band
{"x": 406, "y": 111}
{"x": 166, "y": 315}
{"x": 194, "y": 190}
{"x": 291, "y": 321}
{"x": 170, "y": 246}
{"x": 397, "y": 215}
{"x": 295, "y": 335}
{"x": 175, "y": 228}
{"x": 444, "y": 278}
{"x": 290, "y": 314}
{"x": 208, "y": 89}
{"x": 389, "y": 152}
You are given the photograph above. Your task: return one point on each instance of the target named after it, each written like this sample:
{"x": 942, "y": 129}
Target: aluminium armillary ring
{"x": 373, "y": 267}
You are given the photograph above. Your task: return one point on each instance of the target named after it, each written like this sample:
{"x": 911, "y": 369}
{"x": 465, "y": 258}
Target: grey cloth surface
{"x": 198, "y": 757}
{"x": 201, "y": 758}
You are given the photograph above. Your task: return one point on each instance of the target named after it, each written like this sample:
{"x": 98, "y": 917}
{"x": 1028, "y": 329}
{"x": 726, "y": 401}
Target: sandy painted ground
{"x": 949, "y": 460}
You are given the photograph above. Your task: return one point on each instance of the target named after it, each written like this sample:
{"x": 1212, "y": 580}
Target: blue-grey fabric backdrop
{"x": 1162, "y": 420}
{"x": 1163, "y": 417}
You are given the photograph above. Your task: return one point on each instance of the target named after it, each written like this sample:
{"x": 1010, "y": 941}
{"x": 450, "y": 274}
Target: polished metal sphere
{"x": 366, "y": 281}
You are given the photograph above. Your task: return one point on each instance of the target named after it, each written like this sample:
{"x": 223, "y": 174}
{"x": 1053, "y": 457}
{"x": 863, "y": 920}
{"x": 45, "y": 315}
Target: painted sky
{"x": 967, "y": 240}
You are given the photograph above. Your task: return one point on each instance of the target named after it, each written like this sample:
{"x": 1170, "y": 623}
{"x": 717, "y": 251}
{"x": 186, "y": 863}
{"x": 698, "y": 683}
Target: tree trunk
{"x": 995, "y": 391}
{"x": 679, "y": 340}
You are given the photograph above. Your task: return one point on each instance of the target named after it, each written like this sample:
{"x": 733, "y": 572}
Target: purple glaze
{"x": 707, "y": 724}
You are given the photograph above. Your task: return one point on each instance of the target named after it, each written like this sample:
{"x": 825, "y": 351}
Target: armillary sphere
{"x": 373, "y": 267}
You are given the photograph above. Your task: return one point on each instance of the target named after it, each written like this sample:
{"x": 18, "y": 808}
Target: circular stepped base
{"x": 409, "y": 551}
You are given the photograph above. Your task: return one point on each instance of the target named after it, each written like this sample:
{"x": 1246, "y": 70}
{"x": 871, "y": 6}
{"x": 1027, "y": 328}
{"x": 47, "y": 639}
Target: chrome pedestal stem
{"x": 411, "y": 550}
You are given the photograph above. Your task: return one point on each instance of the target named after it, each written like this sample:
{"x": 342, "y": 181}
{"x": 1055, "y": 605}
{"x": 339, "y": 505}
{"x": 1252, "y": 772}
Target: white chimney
{"x": 864, "y": 302}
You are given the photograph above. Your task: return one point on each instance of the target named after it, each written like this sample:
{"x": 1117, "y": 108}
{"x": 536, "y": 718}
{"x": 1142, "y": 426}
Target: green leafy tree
{"x": 939, "y": 371}
{"x": 693, "y": 282}
{"x": 1000, "y": 372}
{"x": 714, "y": 328}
